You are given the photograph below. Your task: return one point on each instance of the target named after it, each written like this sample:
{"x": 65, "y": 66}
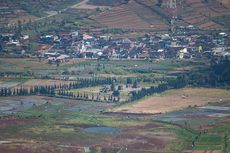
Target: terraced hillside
{"x": 132, "y": 16}
{"x": 107, "y": 2}
{"x": 225, "y": 2}
{"x": 25, "y": 10}
{"x": 201, "y": 14}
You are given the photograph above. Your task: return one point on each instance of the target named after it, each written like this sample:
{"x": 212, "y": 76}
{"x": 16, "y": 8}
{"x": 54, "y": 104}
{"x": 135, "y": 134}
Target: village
{"x": 115, "y": 76}
{"x": 66, "y": 45}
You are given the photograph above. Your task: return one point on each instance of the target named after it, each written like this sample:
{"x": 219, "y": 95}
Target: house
{"x": 63, "y": 58}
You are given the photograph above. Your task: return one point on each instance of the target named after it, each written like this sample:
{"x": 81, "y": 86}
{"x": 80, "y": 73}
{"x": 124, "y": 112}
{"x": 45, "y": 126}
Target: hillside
{"x": 146, "y": 15}
{"x": 132, "y": 16}
{"x": 25, "y": 10}
{"x": 225, "y": 2}
{"x": 137, "y": 15}
{"x": 202, "y": 14}
{"x": 107, "y": 2}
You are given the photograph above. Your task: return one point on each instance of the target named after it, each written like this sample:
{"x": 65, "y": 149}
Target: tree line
{"x": 50, "y": 89}
{"x": 217, "y": 75}
{"x": 65, "y": 93}
{"x": 177, "y": 83}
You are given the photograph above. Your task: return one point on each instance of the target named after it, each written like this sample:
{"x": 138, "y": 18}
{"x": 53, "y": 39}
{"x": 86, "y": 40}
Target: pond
{"x": 102, "y": 130}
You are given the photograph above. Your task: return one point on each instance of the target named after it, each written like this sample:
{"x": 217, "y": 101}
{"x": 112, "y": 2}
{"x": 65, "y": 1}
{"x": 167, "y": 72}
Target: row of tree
{"x": 86, "y": 96}
{"x": 180, "y": 82}
{"x": 217, "y": 75}
{"x": 50, "y": 89}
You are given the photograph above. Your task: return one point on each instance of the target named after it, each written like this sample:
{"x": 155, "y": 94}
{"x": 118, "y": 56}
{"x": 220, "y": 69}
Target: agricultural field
{"x": 201, "y": 14}
{"x": 195, "y": 119}
{"x": 173, "y": 100}
{"x": 132, "y": 16}
{"x": 60, "y": 125}
{"x": 194, "y": 12}
{"x": 97, "y": 68}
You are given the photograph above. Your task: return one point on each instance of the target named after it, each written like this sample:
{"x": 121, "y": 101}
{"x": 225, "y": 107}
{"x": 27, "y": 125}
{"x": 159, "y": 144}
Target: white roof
{"x": 99, "y": 53}
{"x": 62, "y": 57}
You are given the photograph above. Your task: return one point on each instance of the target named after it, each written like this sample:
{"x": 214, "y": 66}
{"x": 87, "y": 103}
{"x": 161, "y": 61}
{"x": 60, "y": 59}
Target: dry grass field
{"x": 175, "y": 100}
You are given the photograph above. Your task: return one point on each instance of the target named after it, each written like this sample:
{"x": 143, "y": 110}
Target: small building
{"x": 63, "y": 58}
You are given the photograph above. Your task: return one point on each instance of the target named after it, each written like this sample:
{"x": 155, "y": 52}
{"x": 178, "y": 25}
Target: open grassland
{"x": 175, "y": 100}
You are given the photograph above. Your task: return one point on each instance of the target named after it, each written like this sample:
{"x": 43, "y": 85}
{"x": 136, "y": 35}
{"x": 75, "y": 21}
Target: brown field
{"x": 225, "y": 2}
{"x": 132, "y": 16}
{"x": 198, "y": 13}
{"x": 175, "y": 100}
{"x": 84, "y": 5}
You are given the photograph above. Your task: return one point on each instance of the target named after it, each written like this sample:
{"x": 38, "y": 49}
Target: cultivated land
{"x": 133, "y": 16}
{"x": 173, "y": 100}
{"x": 39, "y": 123}
{"x": 112, "y": 106}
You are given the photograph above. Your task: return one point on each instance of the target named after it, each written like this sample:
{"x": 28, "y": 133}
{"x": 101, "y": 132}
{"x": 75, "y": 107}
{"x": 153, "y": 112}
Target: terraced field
{"x": 196, "y": 12}
{"x": 11, "y": 11}
{"x": 131, "y": 16}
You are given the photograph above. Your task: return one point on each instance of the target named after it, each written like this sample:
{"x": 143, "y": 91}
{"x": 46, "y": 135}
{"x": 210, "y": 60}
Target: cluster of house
{"x": 84, "y": 45}
{"x": 79, "y": 44}
{"x": 14, "y": 43}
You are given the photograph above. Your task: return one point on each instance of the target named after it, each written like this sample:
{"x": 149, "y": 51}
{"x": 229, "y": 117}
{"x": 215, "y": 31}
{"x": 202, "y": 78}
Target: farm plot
{"x": 130, "y": 16}
{"x": 198, "y": 13}
{"x": 17, "y": 64}
{"x": 28, "y": 66}
{"x": 9, "y": 83}
{"x": 84, "y": 5}
{"x": 175, "y": 100}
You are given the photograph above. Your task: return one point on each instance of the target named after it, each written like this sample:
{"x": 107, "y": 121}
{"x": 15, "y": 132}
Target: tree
{"x": 135, "y": 84}
{"x": 113, "y": 86}
{"x": 116, "y": 93}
